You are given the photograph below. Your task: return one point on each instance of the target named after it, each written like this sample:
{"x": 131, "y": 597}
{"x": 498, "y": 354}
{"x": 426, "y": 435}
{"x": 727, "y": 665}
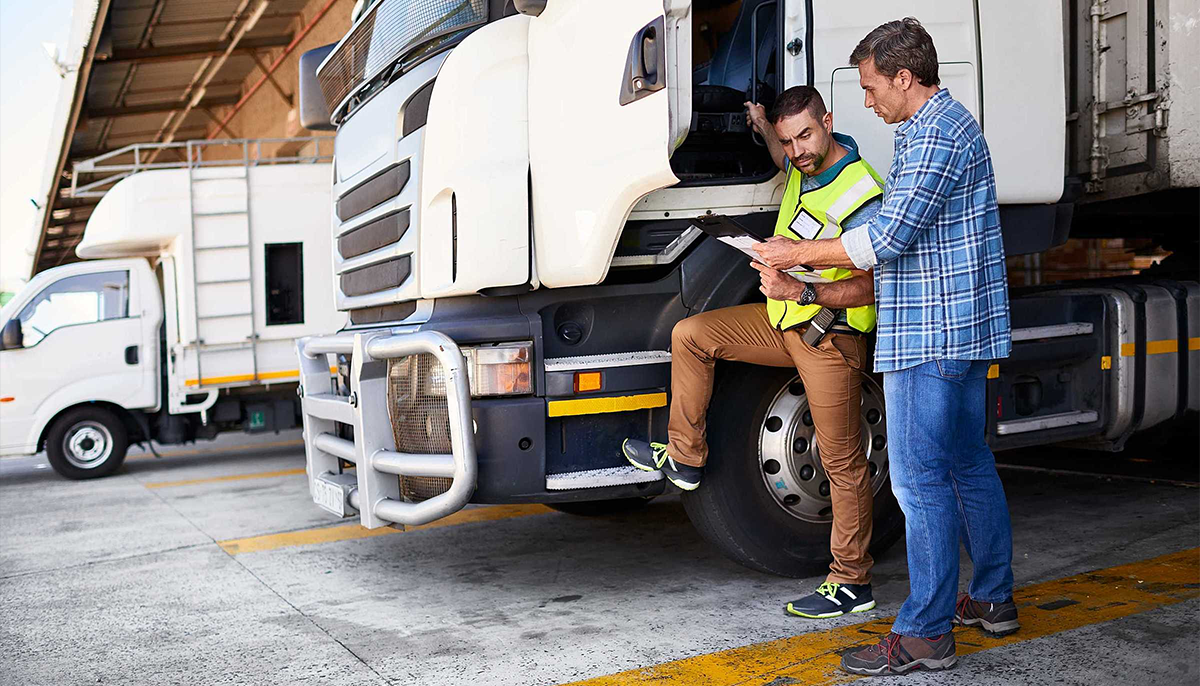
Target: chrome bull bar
{"x": 375, "y": 489}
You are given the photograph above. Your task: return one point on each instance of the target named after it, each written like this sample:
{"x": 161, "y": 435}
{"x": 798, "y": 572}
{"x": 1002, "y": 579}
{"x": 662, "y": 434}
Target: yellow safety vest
{"x": 819, "y": 214}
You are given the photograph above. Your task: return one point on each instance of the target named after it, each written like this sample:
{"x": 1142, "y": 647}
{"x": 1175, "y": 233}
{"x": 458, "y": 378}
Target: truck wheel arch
{"x": 132, "y": 426}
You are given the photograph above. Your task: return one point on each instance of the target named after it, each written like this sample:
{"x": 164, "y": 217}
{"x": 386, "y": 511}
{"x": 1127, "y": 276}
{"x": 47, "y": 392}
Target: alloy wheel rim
{"x": 789, "y": 457}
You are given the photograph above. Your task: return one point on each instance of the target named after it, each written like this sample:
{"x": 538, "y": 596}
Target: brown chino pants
{"x": 831, "y": 374}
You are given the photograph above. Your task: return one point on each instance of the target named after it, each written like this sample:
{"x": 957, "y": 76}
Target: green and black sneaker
{"x": 833, "y": 600}
{"x": 650, "y": 457}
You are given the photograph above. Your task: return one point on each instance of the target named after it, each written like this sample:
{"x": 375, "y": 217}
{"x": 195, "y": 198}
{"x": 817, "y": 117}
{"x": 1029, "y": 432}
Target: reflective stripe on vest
{"x": 830, "y": 205}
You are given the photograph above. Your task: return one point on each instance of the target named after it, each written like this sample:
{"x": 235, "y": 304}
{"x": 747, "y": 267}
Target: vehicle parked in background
{"x": 512, "y": 211}
{"x": 181, "y": 322}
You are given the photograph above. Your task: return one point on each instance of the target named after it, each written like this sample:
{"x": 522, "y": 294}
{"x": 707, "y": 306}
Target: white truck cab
{"x": 80, "y": 335}
{"x": 180, "y": 322}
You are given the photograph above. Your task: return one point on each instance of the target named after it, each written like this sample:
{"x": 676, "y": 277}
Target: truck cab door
{"x": 88, "y": 335}
{"x": 608, "y": 86}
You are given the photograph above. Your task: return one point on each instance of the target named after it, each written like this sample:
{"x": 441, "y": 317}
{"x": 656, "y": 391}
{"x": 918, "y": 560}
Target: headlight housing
{"x": 500, "y": 368}
{"x": 495, "y": 369}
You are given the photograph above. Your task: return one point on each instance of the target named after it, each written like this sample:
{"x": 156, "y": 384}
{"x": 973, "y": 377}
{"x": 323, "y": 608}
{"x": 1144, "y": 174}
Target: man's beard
{"x": 808, "y": 162}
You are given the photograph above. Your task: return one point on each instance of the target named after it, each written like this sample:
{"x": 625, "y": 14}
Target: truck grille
{"x": 420, "y": 418}
{"x": 385, "y": 33}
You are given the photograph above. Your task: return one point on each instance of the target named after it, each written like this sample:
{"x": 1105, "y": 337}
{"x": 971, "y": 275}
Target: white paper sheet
{"x": 746, "y": 243}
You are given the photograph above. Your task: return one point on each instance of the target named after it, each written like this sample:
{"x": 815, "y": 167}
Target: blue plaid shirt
{"x": 941, "y": 291}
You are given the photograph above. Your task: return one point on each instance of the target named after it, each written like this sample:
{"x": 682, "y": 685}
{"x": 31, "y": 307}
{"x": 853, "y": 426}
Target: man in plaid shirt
{"x": 942, "y": 299}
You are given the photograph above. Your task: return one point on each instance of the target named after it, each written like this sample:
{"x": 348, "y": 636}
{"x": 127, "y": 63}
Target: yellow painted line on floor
{"x": 1045, "y": 609}
{"x": 219, "y": 479}
{"x": 349, "y": 532}
{"x": 1194, "y": 343}
{"x": 625, "y": 403}
{"x": 994, "y": 372}
{"x": 217, "y": 450}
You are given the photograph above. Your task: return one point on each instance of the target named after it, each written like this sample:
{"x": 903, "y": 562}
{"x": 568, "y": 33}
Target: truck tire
{"x": 601, "y": 508}
{"x": 87, "y": 442}
{"x": 759, "y": 433}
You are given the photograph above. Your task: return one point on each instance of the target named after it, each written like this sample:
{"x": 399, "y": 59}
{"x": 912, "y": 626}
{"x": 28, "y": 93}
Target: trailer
{"x": 512, "y": 214}
{"x": 180, "y": 323}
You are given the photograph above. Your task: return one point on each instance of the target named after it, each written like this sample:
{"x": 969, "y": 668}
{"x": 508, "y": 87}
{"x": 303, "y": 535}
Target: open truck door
{"x": 609, "y": 101}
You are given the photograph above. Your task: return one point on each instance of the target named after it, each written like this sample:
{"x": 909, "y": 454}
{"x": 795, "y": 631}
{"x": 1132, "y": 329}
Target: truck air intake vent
{"x": 420, "y": 418}
{"x": 377, "y": 189}
{"x": 383, "y": 313}
{"x": 416, "y": 110}
{"x": 384, "y": 231}
{"x": 377, "y": 277}
{"x": 385, "y": 34}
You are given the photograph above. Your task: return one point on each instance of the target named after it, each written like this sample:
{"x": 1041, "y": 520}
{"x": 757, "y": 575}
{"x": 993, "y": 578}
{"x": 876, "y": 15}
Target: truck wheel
{"x": 87, "y": 443}
{"x": 601, "y": 508}
{"x": 760, "y": 435}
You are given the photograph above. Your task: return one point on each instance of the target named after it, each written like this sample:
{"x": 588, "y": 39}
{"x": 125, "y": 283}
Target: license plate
{"x": 329, "y": 496}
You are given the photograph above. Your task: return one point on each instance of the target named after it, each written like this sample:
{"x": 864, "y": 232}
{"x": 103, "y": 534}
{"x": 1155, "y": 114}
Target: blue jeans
{"x": 944, "y": 477}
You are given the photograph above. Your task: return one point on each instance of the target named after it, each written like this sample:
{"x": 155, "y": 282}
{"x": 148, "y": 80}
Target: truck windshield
{"x": 385, "y": 33}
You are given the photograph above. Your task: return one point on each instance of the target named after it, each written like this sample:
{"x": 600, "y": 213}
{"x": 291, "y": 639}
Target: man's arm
{"x": 854, "y": 291}
{"x": 933, "y": 166}
{"x": 756, "y": 117}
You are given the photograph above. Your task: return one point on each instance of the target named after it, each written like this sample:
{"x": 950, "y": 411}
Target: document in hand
{"x": 730, "y": 232}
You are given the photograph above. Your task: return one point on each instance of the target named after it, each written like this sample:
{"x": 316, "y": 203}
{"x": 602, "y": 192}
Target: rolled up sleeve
{"x": 858, "y": 247}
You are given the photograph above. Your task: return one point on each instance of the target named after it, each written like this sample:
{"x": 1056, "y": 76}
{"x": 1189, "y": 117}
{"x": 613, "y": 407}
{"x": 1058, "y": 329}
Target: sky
{"x": 29, "y": 87}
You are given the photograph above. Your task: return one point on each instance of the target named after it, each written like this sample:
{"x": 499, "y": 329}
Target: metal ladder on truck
{"x": 223, "y": 316}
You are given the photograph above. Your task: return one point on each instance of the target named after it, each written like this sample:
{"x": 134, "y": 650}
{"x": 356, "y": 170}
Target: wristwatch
{"x": 809, "y": 295}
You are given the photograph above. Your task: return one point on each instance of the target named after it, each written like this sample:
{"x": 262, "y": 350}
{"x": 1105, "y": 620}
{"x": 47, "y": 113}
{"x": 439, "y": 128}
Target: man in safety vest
{"x": 817, "y": 326}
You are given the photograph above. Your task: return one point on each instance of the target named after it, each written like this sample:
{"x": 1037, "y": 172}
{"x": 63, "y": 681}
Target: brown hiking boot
{"x": 898, "y": 654}
{"x": 994, "y": 619}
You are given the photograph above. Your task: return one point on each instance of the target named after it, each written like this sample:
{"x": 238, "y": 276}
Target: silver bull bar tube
{"x": 376, "y": 495}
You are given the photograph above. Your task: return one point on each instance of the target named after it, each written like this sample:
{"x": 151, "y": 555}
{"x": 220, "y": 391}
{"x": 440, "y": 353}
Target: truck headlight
{"x": 496, "y": 369}
{"x": 500, "y": 368}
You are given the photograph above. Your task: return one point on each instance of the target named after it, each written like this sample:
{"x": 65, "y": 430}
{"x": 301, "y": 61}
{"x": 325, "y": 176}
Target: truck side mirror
{"x": 11, "y": 338}
{"x": 531, "y": 7}
{"x": 314, "y": 111}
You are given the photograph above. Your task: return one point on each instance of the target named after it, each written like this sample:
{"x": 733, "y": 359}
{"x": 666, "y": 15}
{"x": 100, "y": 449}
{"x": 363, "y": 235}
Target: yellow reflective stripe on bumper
{"x": 624, "y": 403}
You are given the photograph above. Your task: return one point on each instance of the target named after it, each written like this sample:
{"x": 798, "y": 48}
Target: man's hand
{"x": 756, "y": 118}
{"x": 780, "y": 252}
{"x": 776, "y": 285}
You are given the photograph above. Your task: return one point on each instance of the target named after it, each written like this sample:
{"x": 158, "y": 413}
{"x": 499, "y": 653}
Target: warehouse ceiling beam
{"x": 209, "y": 68}
{"x": 287, "y": 97}
{"x": 155, "y": 107}
{"x": 195, "y": 51}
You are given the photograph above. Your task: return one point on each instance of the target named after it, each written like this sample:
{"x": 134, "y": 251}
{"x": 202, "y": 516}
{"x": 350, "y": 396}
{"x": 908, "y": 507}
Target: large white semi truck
{"x": 180, "y": 323}
{"x": 514, "y": 192}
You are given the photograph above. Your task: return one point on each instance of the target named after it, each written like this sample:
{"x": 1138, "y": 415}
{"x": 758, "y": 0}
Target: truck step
{"x": 1051, "y": 421}
{"x": 599, "y": 478}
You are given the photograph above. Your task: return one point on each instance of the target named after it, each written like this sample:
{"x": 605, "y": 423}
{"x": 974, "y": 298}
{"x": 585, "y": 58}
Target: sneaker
{"x": 833, "y": 600}
{"x": 898, "y": 654}
{"x": 994, "y": 619}
{"x": 650, "y": 457}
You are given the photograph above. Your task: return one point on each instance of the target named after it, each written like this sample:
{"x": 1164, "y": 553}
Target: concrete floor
{"x": 123, "y": 580}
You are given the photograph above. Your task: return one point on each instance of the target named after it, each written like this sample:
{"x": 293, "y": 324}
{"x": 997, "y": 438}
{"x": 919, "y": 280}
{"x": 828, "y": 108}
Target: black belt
{"x": 823, "y": 322}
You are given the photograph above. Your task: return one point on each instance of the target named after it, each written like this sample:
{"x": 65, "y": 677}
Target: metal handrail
{"x": 144, "y": 152}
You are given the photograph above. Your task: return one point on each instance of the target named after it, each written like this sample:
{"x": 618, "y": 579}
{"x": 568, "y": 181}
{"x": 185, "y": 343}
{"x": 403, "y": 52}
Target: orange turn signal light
{"x": 588, "y": 381}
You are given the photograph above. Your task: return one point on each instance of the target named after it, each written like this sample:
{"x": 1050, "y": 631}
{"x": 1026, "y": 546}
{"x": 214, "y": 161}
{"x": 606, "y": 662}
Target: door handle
{"x": 131, "y": 355}
{"x": 646, "y": 63}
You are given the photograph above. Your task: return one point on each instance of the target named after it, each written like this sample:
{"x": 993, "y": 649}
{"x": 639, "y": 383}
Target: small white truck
{"x": 179, "y": 324}
{"x": 514, "y": 194}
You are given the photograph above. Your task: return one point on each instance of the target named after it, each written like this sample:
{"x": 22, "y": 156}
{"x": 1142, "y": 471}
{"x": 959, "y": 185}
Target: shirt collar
{"x": 935, "y": 101}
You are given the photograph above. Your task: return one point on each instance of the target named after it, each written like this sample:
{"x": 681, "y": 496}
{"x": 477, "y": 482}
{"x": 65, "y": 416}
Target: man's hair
{"x": 795, "y": 100}
{"x": 896, "y": 45}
